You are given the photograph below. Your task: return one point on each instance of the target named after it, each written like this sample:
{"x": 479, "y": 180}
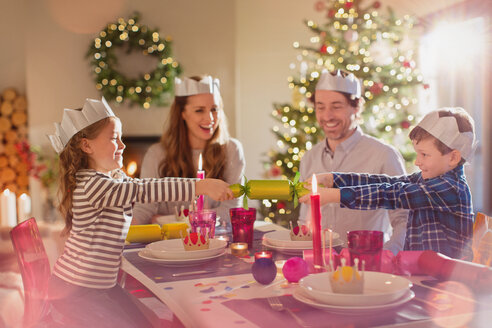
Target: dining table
{"x": 222, "y": 292}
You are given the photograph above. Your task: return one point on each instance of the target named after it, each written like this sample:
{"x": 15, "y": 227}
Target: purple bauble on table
{"x": 264, "y": 270}
{"x": 294, "y": 269}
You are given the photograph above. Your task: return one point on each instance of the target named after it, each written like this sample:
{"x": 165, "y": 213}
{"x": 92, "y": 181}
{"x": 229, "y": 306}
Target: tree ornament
{"x": 376, "y": 88}
{"x": 426, "y": 86}
{"x": 280, "y": 205}
{"x": 351, "y": 36}
{"x": 349, "y": 5}
{"x": 294, "y": 269}
{"x": 331, "y": 13}
{"x": 154, "y": 87}
{"x": 323, "y": 49}
{"x": 376, "y": 5}
{"x": 319, "y": 6}
{"x": 264, "y": 270}
{"x": 405, "y": 124}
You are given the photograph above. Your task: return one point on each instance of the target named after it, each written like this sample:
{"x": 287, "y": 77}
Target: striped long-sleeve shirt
{"x": 102, "y": 213}
{"x": 440, "y": 216}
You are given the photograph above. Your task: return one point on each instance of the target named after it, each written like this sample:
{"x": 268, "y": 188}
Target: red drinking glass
{"x": 366, "y": 245}
{"x": 242, "y": 222}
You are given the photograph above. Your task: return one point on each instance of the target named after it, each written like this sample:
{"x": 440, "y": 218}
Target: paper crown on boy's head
{"x": 446, "y": 130}
{"x": 348, "y": 84}
{"x": 190, "y": 87}
{"x": 75, "y": 120}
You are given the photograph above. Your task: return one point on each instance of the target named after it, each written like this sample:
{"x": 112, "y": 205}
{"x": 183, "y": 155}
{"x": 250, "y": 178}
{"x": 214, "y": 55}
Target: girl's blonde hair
{"x": 178, "y": 160}
{"x": 73, "y": 159}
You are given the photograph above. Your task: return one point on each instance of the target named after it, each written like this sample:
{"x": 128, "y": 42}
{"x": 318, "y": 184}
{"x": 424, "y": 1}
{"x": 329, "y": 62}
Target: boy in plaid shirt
{"x": 438, "y": 197}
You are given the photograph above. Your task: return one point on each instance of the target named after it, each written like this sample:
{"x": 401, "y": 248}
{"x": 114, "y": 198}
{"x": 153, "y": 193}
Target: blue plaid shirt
{"x": 440, "y": 216}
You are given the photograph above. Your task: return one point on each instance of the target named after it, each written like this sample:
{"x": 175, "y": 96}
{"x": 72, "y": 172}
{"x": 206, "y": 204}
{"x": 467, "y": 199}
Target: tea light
{"x": 263, "y": 255}
{"x": 280, "y": 264}
{"x": 239, "y": 249}
{"x": 224, "y": 238}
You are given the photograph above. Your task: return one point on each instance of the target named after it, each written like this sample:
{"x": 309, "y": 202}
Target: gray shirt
{"x": 359, "y": 153}
{"x": 234, "y": 170}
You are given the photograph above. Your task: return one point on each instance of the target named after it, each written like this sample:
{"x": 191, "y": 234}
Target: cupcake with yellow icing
{"x": 347, "y": 279}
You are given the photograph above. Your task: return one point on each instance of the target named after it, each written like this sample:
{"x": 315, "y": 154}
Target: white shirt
{"x": 359, "y": 153}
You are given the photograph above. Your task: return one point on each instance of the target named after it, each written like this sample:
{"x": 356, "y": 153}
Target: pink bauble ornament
{"x": 294, "y": 269}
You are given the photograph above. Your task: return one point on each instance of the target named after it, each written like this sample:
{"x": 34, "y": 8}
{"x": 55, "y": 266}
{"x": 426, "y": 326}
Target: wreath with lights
{"x": 154, "y": 87}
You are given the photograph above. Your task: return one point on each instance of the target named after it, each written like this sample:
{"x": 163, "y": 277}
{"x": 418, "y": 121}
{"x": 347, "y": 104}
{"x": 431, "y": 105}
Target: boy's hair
{"x": 73, "y": 159}
{"x": 465, "y": 124}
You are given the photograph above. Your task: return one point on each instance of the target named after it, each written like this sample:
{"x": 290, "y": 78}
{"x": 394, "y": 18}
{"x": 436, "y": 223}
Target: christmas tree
{"x": 379, "y": 48}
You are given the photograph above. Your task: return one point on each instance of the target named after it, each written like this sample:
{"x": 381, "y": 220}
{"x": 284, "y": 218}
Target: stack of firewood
{"x": 13, "y": 133}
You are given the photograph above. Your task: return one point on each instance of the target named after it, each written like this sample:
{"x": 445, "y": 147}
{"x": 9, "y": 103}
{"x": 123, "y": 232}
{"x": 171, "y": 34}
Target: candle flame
{"x": 314, "y": 184}
{"x": 200, "y": 162}
{"x": 6, "y": 192}
{"x": 23, "y": 196}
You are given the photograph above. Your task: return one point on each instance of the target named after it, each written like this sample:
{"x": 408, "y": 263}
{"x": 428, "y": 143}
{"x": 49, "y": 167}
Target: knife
{"x": 191, "y": 273}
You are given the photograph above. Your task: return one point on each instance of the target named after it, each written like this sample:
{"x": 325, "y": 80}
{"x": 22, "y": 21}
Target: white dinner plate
{"x": 294, "y": 250}
{"x": 174, "y": 249}
{"x": 379, "y": 288}
{"x": 281, "y": 238}
{"x": 300, "y": 295}
{"x": 146, "y": 255}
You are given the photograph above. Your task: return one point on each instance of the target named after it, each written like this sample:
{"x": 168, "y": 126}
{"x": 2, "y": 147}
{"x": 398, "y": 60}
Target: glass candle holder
{"x": 367, "y": 246}
{"x": 239, "y": 249}
{"x": 263, "y": 255}
{"x": 242, "y": 222}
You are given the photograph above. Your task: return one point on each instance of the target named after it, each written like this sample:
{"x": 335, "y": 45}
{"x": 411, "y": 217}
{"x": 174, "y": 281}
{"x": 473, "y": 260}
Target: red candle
{"x": 316, "y": 225}
{"x": 263, "y": 255}
{"x": 200, "y": 174}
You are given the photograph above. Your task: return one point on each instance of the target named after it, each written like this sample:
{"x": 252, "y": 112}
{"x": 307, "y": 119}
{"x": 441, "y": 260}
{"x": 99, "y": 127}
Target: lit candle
{"x": 224, "y": 238}
{"x": 316, "y": 225}
{"x": 23, "y": 207}
{"x": 239, "y": 249}
{"x": 200, "y": 174}
{"x": 263, "y": 255}
{"x": 8, "y": 208}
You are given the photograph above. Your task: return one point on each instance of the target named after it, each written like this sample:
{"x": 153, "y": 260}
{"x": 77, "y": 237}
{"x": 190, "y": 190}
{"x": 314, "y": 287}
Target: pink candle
{"x": 316, "y": 225}
{"x": 200, "y": 174}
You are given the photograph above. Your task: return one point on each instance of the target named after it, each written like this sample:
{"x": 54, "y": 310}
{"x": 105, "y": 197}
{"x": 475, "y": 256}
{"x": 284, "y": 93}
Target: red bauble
{"x": 376, "y": 88}
{"x": 280, "y": 205}
{"x": 426, "y": 86}
{"x": 349, "y": 5}
{"x": 376, "y": 4}
{"x": 323, "y": 49}
{"x": 319, "y": 6}
{"x": 331, "y": 13}
{"x": 275, "y": 171}
{"x": 406, "y": 63}
{"x": 405, "y": 124}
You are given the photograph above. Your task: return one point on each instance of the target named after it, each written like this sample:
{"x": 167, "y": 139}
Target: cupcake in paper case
{"x": 347, "y": 279}
{"x": 300, "y": 233}
{"x": 195, "y": 241}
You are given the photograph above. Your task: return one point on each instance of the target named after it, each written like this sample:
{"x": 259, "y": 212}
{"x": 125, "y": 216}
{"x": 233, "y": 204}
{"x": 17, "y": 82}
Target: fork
{"x": 277, "y": 305}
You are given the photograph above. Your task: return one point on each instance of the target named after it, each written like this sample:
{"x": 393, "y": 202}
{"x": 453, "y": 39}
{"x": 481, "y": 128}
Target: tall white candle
{"x": 8, "y": 208}
{"x": 24, "y": 207}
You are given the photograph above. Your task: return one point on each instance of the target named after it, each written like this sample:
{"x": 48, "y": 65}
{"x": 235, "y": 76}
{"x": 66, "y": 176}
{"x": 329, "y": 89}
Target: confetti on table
{"x": 168, "y": 288}
{"x": 204, "y": 309}
{"x": 223, "y": 282}
{"x": 218, "y": 297}
{"x": 231, "y": 295}
{"x": 199, "y": 284}
{"x": 245, "y": 286}
{"x": 208, "y": 290}
{"x": 228, "y": 288}
{"x": 207, "y": 302}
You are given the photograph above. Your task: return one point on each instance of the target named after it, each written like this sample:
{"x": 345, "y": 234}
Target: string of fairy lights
{"x": 379, "y": 48}
{"x": 153, "y": 87}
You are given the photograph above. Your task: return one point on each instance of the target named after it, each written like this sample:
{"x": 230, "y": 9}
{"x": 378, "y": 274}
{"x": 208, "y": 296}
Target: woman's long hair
{"x": 178, "y": 160}
{"x": 73, "y": 159}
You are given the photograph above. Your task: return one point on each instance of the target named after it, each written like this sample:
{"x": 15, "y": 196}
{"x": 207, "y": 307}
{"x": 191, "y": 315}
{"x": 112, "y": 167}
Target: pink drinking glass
{"x": 242, "y": 222}
{"x": 366, "y": 245}
{"x": 203, "y": 222}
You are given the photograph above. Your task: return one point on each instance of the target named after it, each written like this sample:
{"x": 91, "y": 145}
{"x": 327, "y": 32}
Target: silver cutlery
{"x": 277, "y": 305}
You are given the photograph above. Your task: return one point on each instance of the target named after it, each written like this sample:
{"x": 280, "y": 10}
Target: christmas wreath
{"x": 154, "y": 87}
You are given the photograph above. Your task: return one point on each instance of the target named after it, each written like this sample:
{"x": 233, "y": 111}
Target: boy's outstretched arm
{"x": 327, "y": 195}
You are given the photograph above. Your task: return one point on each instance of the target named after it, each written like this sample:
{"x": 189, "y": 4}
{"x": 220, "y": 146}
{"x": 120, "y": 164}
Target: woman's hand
{"x": 327, "y": 195}
{"x": 214, "y": 188}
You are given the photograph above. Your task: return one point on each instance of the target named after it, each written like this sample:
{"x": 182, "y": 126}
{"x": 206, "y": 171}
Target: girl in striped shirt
{"x": 97, "y": 201}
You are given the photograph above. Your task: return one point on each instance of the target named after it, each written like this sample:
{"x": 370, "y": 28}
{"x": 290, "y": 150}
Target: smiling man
{"x": 346, "y": 148}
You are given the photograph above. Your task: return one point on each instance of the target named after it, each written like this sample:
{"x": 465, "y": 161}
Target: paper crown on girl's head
{"x": 190, "y": 87}
{"x": 348, "y": 84}
{"x": 75, "y": 120}
{"x": 446, "y": 130}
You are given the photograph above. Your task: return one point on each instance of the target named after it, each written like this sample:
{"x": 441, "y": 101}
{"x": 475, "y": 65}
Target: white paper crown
{"x": 349, "y": 84}
{"x": 190, "y": 87}
{"x": 446, "y": 130}
{"x": 75, "y": 120}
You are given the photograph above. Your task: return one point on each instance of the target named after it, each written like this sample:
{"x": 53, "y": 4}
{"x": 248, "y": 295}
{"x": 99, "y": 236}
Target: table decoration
{"x": 196, "y": 241}
{"x": 175, "y": 249}
{"x": 174, "y": 230}
{"x": 242, "y": 222}
{"x": 263, "y": 254}
{"x": 367, "y": 246}
{"x": 239, "y": 249}
{"x": 144, "y": 233}
{"x": 8, "y": 209}
{"x": 316, "y": 225}
{"x": 200, "y": 174}
{"x": 23, "y": 207}
{"x": 203, "y": 221}
{"x": 270, "y": 189}
{"x": 264, "y": 270}
{"x": 294, "y": 269}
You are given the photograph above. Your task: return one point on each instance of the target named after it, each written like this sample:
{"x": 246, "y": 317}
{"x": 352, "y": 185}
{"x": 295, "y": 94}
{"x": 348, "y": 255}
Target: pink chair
{"x": 34, "y": 267}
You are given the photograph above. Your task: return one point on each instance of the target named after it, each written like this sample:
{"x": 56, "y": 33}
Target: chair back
{"x": 482, "y": 239}
{"x": 34, "y": 267}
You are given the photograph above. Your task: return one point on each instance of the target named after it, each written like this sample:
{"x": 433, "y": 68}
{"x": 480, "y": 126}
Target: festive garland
{"x": 154, "y": 87}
